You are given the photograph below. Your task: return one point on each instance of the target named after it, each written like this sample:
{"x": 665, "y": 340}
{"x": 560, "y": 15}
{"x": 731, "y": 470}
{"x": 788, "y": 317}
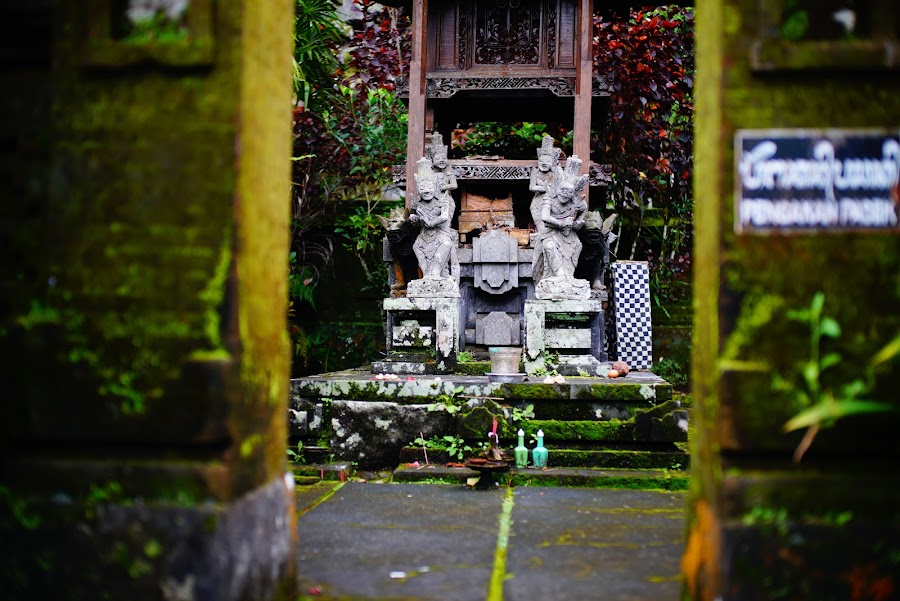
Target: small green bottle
{"x": 521, "y": 452}
{"x": 539, "y": 454}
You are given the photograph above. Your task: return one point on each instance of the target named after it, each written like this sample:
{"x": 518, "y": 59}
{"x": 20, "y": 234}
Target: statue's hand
{"x": 414, "y": 219}
{"x": 578, "y": 224}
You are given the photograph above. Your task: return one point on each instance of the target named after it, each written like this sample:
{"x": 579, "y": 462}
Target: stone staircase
{"x": 626, "y": 432}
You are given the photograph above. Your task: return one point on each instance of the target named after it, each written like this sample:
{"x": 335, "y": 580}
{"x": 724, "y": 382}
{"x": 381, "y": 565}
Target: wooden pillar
{"x": 583, "y": 83}
{"x": 415, "y": 144}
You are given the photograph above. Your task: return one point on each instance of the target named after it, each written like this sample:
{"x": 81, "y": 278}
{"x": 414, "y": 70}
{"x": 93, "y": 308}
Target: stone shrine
{"x": 521, "y": 264}
{"x": 469, "y": 59}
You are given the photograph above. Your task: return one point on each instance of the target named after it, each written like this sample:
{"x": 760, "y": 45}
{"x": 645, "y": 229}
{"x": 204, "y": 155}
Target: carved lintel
{"x": 447, "y": 87}
{"x": 600, "y": 175}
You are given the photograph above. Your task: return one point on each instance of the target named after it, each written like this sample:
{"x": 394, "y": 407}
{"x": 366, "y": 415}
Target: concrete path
{"x": 366, "y": 541}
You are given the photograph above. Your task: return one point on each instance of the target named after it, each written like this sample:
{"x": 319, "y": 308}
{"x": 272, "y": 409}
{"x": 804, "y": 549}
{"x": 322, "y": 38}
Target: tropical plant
{"x": 825, "y": 404}
{"x": 317, "y": 34}
{"x": 380, "y": 50}
{"x": 649, "y": 62}
{"x": 510, "y": 140}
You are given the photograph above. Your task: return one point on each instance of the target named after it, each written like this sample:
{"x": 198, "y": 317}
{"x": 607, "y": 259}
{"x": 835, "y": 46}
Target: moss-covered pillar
{"x": 145, "y": 360}
{"x": 797, "y": 302}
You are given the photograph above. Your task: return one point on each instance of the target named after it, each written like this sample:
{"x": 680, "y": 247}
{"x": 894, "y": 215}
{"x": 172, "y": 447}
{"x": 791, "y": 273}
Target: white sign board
{"x": 803, "y": 180}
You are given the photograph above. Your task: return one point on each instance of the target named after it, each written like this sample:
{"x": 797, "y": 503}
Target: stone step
{"x": 641, "y": 387}
{"x": 588, "y": 458}
{"x": 338, "y": 470}
{"x": 650, "y": 479}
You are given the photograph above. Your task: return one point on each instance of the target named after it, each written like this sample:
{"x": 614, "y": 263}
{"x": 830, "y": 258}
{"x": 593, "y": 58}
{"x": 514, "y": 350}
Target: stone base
{"x": 579, "y": 348}
{"x": 405, "y": 368}
{"x": 422, "y": 335}
{"x": 562, "y": 288}
{"x": 373, "y": 433}
{"x": 579, "y": 365}
{"x": 431, "y": 287}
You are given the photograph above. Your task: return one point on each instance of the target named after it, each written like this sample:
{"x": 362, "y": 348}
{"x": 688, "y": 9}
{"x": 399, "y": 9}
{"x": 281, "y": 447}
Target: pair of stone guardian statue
{"x": 558, "y": 210}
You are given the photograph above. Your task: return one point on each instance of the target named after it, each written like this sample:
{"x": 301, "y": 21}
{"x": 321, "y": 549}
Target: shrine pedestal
{"x": 573, "y": 329}
{"x": 422, "y": 336}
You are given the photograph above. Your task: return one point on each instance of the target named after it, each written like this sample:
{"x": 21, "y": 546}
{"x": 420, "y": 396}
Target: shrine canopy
{"x": 500, "y": 60}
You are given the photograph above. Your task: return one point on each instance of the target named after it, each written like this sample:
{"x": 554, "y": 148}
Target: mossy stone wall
{"x": 144, "y": 335}
{"x": 744, "y": 287}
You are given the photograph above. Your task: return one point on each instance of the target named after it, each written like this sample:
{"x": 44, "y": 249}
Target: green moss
{"x": 649, "y": 481}
{"x": 623, "y": 392}
{"x": 472, "y": 368}
{"x": 534, "y": 391}
{"x": 593, "y": 431}
{"x": 621, "y": 459}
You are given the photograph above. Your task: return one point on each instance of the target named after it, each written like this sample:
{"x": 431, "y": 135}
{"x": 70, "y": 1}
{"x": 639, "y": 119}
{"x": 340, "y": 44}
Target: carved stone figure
{"x": 596, "y": 236}
{"x": 400, "y": 235}
{"x": 562, "y": 213}
{"x": 542, "y": 178}
{"x": 435, "y": 246}
{"x": 437, "y": 152}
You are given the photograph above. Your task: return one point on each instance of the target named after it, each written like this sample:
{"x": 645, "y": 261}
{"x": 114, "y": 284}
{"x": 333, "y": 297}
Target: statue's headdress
{"x": 436, "y": 147}
{"x": 571, "y": 174}
{"x": 424, "y": 172}
{"x": 548, "y": 149}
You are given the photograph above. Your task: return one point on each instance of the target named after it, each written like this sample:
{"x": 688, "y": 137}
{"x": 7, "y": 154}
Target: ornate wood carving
{"x": 600, "y": 86}
{"x": 507, "y": 32}
{"x": 463, "y": 34}
{"x": 551, "y": 35}
{"x": 599, "y": 175}
{"x": 446, "y": 87}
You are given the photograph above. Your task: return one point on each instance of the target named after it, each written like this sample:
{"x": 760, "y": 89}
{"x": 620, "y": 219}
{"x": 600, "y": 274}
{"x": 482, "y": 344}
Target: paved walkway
{"x": 447, "y": 543}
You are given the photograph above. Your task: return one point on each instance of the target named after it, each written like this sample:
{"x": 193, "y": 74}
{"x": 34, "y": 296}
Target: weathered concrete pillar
{"x": 796, "y": 202}
{"x": 145, "y": 352}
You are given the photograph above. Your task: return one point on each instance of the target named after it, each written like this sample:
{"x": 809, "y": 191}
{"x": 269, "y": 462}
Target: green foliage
{"x": 671, "y": 371}
{"x": 517, "y": 140}
{"x": 455, "y": 446}
{"x": 317, "y": 33}
{"x": 296, "y": 456}
{"x": 794, "y": 21}
{"x": 156, "y": 28}
{"x": 825, "y": 404}
{"x": 781, "y": 520}
{"x": 449, "y": 403}
{"x": 465, "y": 357}
{"x": 649, "y": 62}
{"x": 359, "y": 231}
{"x": 19, "y": 509}
{"x": 370, "y": 130}
{"x": 520, "y": 414}
{"x": 551, "y": 362}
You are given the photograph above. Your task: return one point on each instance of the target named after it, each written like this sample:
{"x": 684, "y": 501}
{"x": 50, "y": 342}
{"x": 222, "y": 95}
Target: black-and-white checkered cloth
{"x": 631, "y": 296}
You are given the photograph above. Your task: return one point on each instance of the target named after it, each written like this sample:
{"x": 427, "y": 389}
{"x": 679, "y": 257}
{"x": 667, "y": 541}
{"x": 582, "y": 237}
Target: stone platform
{"x": 587, "y": 421}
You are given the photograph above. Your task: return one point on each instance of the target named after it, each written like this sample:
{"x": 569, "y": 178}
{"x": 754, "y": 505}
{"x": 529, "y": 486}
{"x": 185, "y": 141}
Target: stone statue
{"x": 437, "y": 152}
{"x": 562, "y": 213}
{"x": 400, "y": 235}
{"x": 435, "y": 246}
{"x": 542, "y": 178}
{"x": 596, "y": 236}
